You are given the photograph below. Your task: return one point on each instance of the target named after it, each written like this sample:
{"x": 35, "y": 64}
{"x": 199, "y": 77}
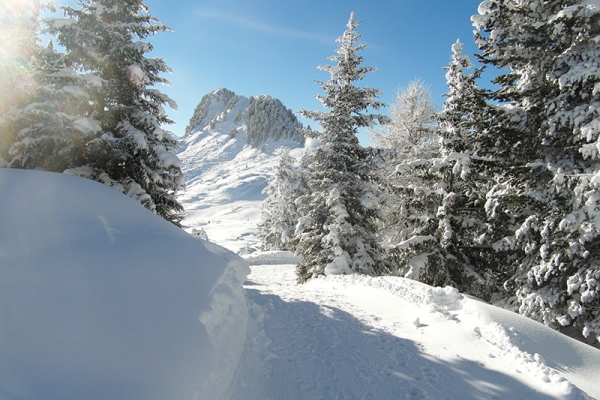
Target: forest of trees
{"x": 267, "y": 118}
{"x": 89, "y": 109}
{"x": 496, "y": 194}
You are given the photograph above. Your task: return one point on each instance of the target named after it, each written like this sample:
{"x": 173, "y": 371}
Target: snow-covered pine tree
{"x": 336, "y": 231}
{"x": 133, "y": 153}
{"x": 19, "y": 45}
{"x": 461, "y": 215}
{"x": 420, "y": 225}
{"x": 279, "y": 214}
{"x": 51, "y": 131}
{"x": 543, "y": 134}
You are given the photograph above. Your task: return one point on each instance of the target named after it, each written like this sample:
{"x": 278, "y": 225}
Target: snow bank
{"x": 101, "y": 299}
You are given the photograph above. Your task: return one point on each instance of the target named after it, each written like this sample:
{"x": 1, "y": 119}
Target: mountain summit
{"x": 224, "y": 123}
{"x": 263, "y": 117}
{"x": 228, "y": 155}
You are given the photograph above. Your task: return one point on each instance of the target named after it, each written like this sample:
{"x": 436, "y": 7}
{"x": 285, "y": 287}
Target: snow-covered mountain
{"x": 228, "y": 155}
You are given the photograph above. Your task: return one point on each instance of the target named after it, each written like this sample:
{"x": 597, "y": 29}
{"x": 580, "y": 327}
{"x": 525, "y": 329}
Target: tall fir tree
{"x": 542, "y": 131}
{"x": 132, "y": 152}
{"x": 336, "y": 231}
{"x": 425, "y": 220}
{"x": 462, "y": 173}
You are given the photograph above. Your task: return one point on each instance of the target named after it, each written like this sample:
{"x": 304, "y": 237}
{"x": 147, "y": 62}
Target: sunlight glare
{"x": 18, "y": 33}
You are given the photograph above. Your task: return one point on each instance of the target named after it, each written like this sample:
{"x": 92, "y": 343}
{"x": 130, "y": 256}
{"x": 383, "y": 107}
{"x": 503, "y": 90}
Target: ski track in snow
{"x": 325, "y": 340}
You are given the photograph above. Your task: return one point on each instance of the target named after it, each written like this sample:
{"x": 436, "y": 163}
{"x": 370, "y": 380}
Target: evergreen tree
{"x": 421, "y": 224}
{"x": 19, "y": 45}
{"x": 132, "y": 152}
{"x": 409, "y": 142}
{"x": 336, "y": 231}
{"x": 542, "y": 133}
{"x": 279, "y": 214}
{"x": 50, "y": 132}
{"x": 462, "y": 220}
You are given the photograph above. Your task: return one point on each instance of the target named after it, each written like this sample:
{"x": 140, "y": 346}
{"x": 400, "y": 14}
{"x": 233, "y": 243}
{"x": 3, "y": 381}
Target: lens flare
{"x": 18, "y": 42}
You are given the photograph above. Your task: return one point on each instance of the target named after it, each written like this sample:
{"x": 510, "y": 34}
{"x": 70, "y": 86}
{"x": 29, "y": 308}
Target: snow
{"x": 167, "y": 158}
{"x": 101, "y": 299}
{"x": 136, "y": 75}
{"x": 352, "y": 336}
{"x": 358, "y": 337}
{"x": 87, "y": 125}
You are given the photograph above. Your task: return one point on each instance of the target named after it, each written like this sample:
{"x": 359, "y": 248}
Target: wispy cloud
{"x": 259, "y": 26}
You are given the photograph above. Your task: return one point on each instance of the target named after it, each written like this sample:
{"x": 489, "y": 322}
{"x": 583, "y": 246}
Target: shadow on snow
{"x": 300, "y": 350}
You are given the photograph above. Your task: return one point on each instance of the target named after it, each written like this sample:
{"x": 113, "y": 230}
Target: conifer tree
{"x": 51, "y": 131}
{"x": 462, "y": 173}
{"x": 542, "y": 133}
{"x": 19, "y": 45}
{"x": 423, "y": 227}
{"x": 132, "y": 152}
{"x": 336, "y": 231}
{"x": 279, "y": 214}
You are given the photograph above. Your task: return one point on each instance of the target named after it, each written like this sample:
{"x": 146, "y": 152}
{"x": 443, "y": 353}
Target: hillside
{"x": 228, "y": 156}
{"x": 351, "y": 337}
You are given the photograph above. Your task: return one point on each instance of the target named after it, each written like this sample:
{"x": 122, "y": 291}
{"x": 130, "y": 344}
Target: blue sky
{"x": 273, "y": 47}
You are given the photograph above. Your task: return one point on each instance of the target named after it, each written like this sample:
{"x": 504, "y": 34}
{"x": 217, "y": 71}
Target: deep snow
{"x": 101, "y": 299}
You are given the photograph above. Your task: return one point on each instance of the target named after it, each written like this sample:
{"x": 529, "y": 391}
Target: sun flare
{"x": 18, "y": 35}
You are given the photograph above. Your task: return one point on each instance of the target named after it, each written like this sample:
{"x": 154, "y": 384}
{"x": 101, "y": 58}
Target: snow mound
{"x": 101, "y": 299}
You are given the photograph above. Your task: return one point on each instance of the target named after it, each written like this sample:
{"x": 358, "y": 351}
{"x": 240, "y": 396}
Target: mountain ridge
{"x": 229, "y": 156}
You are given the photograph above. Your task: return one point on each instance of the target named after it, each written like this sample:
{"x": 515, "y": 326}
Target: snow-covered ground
{"x": 356, "y": 337}
{"x": 101, "y": 299}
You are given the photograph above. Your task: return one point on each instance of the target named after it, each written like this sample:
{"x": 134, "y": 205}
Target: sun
{"x": 19, "y": 24}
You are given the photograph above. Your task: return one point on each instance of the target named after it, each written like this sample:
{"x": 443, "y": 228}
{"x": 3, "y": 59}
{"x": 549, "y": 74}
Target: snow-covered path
{"x": 363, "y": 338}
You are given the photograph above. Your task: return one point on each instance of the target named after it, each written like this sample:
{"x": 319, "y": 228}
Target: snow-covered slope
{"x": 101, "y": 299}
{"x": 225, "y": 175}
{"x": 357, "y": 337}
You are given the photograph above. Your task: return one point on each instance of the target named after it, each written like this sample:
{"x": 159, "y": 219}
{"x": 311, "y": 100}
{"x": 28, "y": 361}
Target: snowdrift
{"x": 101, "y": 299}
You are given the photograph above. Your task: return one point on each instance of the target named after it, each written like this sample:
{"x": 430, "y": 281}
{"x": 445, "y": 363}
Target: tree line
{"x": 497, "y": 194}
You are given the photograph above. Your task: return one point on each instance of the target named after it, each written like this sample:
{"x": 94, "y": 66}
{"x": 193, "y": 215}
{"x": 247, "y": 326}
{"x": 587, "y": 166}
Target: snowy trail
{"x": 361, "y": 338}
